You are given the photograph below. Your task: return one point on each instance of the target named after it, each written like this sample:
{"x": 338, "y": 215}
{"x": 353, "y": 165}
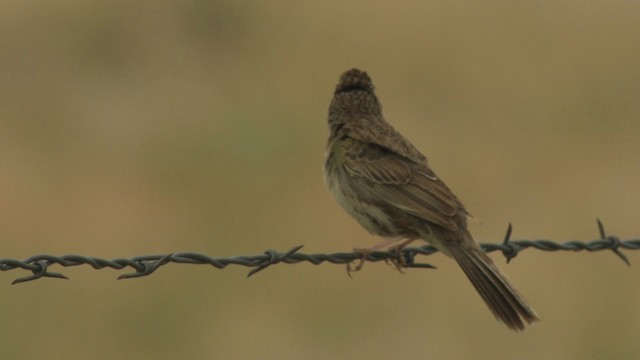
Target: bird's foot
{"x": 399, "y": 261}
{"x": 363, "y": 258}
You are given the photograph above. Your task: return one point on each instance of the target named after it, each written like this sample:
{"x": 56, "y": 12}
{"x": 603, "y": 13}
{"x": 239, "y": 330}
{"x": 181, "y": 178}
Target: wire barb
{"x": 147, "y": 268}
{"x": 146, "y": 265}
{"x": 39, "y": 270}
{"x": 614, "y": 242}
{"x": 509, "y": 249}
{"x": 274, "y": 258}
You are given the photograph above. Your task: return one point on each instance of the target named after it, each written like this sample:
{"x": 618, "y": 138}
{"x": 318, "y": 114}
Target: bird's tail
{"x": 493, "y": 286}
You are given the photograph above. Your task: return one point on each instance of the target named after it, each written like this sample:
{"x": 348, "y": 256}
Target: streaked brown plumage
{"x": 386, "y": 184}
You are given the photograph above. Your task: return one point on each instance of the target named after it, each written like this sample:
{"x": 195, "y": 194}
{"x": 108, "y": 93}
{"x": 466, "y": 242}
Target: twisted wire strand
{"x": 145, "y": 265}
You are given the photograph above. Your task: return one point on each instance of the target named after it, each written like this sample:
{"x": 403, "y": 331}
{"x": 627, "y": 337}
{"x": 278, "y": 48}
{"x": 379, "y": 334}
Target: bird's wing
{"x": 410, "y": 186}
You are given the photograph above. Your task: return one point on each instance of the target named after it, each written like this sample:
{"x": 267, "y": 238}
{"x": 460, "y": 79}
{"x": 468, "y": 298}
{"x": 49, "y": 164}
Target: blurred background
{"x": 200, "y": 126}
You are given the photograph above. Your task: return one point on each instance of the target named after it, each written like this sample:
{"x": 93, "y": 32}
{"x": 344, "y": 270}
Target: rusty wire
{"x": 145, "y": 265}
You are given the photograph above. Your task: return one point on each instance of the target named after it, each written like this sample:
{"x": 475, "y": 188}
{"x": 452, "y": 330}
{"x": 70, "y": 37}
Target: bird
{"x": 388, "y": 187}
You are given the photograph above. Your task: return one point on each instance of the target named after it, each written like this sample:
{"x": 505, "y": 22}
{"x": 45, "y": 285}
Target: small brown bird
{"x": 386, "y": 184}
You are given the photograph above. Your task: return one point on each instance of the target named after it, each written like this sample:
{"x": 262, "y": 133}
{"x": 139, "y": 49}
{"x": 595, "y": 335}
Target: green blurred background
{"x": 200, "y": 126}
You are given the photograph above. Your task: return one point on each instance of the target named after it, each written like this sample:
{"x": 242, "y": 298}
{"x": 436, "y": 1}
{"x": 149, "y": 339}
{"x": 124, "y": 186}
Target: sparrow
{"x": 388, "y": 187}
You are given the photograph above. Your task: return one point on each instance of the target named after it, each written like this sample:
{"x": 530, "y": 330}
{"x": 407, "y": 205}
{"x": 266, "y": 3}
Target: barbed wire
{"x": 146, "y": 265}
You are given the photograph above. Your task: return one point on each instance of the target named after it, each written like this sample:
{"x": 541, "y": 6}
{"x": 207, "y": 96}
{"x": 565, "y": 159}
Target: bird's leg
{"x": 364, "y": 252}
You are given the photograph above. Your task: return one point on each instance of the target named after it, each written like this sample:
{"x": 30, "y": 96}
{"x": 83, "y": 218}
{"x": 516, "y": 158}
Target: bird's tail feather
{"x": 493, "y": 286}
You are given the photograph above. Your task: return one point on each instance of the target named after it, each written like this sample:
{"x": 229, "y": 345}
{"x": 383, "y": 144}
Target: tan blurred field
{"x": 200, "y": 126}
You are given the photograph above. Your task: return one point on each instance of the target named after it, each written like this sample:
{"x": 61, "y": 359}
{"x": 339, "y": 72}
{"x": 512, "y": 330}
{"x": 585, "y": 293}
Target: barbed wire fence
{"x": 146, "y": 265}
